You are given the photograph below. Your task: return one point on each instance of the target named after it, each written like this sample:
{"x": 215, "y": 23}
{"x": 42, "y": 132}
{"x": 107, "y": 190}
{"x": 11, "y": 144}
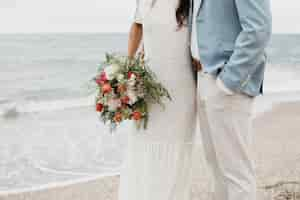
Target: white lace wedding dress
{"x": 158, "y": 160}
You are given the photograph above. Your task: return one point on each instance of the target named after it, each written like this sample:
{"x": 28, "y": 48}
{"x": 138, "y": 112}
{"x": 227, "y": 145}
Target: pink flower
{"x": 102, "y": 79}
{"x": 130, "y": 75}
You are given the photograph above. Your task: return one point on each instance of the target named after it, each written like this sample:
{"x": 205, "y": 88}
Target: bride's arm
{"x": 135, "y": 38}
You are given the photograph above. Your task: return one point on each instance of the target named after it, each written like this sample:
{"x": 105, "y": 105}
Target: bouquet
{"x": 126, "y": 87}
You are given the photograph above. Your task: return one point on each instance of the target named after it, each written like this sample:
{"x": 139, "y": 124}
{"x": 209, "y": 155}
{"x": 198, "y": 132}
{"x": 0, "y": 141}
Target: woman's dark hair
{"x": 182, "y": 12}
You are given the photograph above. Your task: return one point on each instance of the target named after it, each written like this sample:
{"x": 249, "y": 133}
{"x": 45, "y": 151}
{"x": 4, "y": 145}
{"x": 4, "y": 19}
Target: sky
{"x": 104, "y": 15}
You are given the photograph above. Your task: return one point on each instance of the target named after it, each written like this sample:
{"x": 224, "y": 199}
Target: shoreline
{"x": 276, "y": 127}
{"x": 54, "y": 185}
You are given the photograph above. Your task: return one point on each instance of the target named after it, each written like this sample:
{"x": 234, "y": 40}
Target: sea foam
{"x": 13, "y": 108}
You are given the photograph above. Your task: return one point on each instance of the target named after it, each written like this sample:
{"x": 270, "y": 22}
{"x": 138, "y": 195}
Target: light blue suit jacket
{"x": 232, "y": 38}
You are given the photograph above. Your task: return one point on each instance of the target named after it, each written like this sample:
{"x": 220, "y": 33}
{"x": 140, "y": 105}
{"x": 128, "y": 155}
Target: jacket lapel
{"x": 200, "y": 5}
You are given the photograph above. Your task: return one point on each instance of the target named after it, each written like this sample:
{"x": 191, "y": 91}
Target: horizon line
{"x": 102, "y": 32}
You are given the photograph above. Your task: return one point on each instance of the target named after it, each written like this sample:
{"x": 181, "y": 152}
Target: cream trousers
{"x": 225, "y": 123}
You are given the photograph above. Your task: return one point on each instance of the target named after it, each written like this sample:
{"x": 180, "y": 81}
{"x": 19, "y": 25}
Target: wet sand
{"x": 277, "y": 153}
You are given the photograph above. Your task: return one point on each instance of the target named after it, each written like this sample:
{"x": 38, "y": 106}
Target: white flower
{"x": 113, "y": 104}
{"x": 111, "y": 71}
{"x": 140, "y": 91}
{"x": 132, "y": 80}
{"x": 132, "y": 96}
{"x": 120, "y": 77}
{"x": 132, "y": 77}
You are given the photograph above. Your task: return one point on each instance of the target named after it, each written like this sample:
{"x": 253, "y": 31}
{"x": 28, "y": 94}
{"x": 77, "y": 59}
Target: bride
{"x": 158, "y": 160}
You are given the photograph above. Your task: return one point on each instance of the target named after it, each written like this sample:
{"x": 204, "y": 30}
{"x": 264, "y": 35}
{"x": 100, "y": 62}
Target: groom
{"x": 228, "y": 44}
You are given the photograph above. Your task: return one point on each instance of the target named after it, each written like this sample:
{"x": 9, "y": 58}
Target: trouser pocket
{"x": 212, "y": 95}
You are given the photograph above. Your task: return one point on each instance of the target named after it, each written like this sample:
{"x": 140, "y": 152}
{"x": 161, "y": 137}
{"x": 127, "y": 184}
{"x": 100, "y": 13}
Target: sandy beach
{"x": 276, "y": 150}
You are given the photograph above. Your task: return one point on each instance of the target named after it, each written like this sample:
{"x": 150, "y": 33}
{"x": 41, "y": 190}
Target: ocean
{"x": 49, "y": 131}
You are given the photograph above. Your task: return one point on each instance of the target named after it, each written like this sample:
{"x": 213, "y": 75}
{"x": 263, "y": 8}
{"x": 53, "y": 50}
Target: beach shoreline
{"x": 276, "y": 135}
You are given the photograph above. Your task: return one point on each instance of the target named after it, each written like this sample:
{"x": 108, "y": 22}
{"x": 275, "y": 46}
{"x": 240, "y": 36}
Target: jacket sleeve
{"x": 256, "y": 23}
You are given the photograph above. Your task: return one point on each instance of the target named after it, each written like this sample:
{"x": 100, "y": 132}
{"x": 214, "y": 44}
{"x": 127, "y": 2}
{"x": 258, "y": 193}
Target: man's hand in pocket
{"x": 196, "y": 65}
{"x": 223, "y": 87}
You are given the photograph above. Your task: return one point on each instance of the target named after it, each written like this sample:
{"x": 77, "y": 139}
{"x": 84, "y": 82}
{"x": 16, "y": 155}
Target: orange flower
{"x": 118, "y": 117}
{"x": 136, "y": 115}
{"x": 106, "y": 88}
{"x": 125, "y": 100}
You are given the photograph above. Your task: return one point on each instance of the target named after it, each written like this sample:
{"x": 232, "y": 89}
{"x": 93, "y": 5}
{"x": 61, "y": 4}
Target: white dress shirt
{"x": 194, "y": 39}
